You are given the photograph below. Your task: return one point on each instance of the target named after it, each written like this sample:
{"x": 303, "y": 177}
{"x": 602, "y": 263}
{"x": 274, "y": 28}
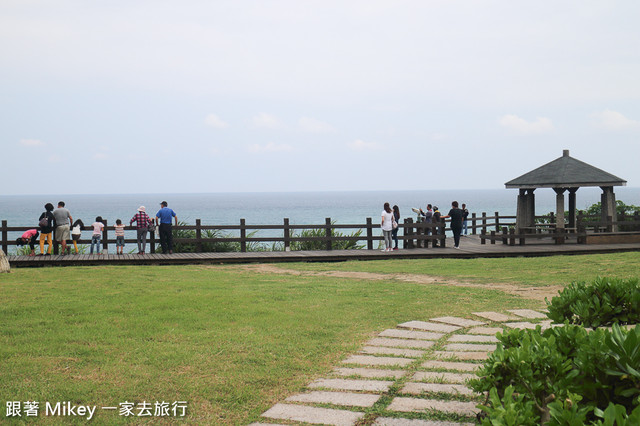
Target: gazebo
{"x": 563, "y": 174}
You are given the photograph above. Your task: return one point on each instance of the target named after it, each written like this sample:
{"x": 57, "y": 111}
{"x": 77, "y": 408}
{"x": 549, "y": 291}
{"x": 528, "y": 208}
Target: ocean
{"x": 343, "y": 207}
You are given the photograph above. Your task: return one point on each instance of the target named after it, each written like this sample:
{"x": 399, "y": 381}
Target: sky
{"x": 295, "y": 95}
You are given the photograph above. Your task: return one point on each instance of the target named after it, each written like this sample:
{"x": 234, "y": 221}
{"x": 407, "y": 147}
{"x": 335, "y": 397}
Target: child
{"x": 76, "y": 233}
{"x": 119, "y": 237}
{"x": 96, "y": 238}
{"x": 29, "y": 237}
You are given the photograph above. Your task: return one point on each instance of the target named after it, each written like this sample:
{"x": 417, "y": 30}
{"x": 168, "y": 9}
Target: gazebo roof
{"x": 565, "y": 172}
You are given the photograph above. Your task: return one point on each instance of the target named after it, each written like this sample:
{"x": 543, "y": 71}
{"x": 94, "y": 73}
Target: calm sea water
{"x": 270, "y": 208}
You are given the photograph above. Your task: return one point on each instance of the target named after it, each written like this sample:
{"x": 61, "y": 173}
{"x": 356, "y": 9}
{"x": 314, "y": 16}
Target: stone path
{"x": 419, "y": 369}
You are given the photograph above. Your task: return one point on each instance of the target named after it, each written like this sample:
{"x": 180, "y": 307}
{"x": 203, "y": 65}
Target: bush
{"x": 207, "y": 247}
{"x": 604, "y": 302}
{"x": 322, "y": 245}
{"x": 568, "y": 375}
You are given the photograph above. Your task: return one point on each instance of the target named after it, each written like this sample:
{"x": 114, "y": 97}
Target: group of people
{"x": 58, "y": 223}
{"x": 391, "y": 220}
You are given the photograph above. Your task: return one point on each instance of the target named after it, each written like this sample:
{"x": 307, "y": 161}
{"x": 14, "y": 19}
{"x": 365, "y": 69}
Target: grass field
{"x": 229, "y": 341}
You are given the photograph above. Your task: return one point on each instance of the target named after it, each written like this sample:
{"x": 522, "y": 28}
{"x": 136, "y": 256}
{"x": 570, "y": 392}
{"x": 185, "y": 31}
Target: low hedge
{"x": 604, "y": 302}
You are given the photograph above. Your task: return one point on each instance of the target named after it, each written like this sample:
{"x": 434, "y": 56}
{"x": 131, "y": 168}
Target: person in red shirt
{"x": 29, "y": 237}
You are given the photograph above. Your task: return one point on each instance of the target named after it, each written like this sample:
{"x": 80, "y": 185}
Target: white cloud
{"x": 100, "y": 156}
{"x": 312, "y": 125}
{"x": 31, "y": 142}
{"x": 270, "y": 147}
{"x": 214, "y": 121}
{"x": 520, "y": 125}
{"x": 360, "y": 145}
{"x": 267, "y": 121}
{"x": 613, "y": 120}
{"x": 55, "y": 158}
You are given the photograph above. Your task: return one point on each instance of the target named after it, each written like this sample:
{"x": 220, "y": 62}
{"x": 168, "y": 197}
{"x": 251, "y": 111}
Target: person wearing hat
{"x": 30, "y": 238}
{"x": 163, "y": 219}
{"x": 142, "y": 221}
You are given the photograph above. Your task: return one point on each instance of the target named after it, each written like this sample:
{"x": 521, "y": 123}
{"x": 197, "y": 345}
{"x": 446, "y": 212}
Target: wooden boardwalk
{"x": 470, "y": 248}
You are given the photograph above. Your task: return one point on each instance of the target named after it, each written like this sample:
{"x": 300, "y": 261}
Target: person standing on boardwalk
{"x": 96, "y": 237}
{"x": 465, "y": 215}
{"x": 63, "y": 225}
{"x": 427, "y": 217}
{"x": 46, "y": 223}
{"x": 387, "y": 226}
{"x": 29, "y": 237}
{"x": 456, "y": 214}
{"x": 163, "y": 218}
{"x": 437, "y": 217}
{"x": 394, "y": 233}
{"x": 142, "y": 221}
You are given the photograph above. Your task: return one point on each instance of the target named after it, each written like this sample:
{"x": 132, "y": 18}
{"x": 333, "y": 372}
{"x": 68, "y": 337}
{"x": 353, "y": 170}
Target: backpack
{"x": 44, "y": 222}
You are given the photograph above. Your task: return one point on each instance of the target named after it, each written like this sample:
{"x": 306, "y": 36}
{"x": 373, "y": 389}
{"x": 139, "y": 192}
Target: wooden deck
{"x": 470, "y": 248}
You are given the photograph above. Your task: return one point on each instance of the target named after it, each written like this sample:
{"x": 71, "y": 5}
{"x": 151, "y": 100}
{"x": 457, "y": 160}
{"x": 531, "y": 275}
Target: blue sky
{"x": 226, "y": 96}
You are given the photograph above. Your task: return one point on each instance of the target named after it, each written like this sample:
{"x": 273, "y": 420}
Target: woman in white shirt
{"x": 387, "y": 226}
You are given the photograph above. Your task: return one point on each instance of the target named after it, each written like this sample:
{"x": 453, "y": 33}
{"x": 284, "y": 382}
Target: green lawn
{"x": 538, "y": 271}
{"x": 228, "y": 341}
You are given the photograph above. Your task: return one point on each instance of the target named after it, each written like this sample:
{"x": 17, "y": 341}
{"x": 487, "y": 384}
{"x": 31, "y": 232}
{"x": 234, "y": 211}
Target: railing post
{"x": 580, "y": 228}
{"x": 409, "y": 231}
{"x": 198, "y": 236}
{"x": 609, "y": 223}
{"x": 442, "y": 233}
{"x": 497, "y": 222}
{"x": 152, "y": 240}
{"x": 405, "y": 243}
{"x": 287, "y": 235}
{"x": 105, "y": 238}
{"x": 327, "y": 223}
{"x": 493, "y": 237}
{"x": 636, "y": 218}
{"x": 243, "y": 236}
{"x": 512, "y": 239}
{"x": 484, "y": 223}
{"x": 483, "y": 239}
{"x": 521, "y": 232}
{"x": 473, "y": 224}
{"x": 504, "y": 235}
{"x": 369, "y": 234}
{"x": 5, "y": 238}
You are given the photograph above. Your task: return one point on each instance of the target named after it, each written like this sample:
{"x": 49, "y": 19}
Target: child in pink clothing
{"x": 96, "y": 238}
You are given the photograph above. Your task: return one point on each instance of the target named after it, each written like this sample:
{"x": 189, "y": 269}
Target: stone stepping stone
{"x": 390, "y": 421}
{"x": 302, "y": 413}
{"x": 370, "y": 373}
{"x": 400, "y": 343}
{"x": 419, "y": 388}
{"x": 469, "y": 347}
{"x": 458, "y": 366}
{"x": 494, "y": 316}
{"x": 418, "y": 405}
{"x": 489, "y": 331}
{"x": 336, "y": 398}
{"x": 377, "y": 360}
{"x": 527, "y": 313}
{"x": 462, "y": 322}
{"x": 526, "y": 325}
{"x": 409, "y": 334}
{"x": 377, "y": 350}
{"x": 434, "y": 376}
{"x": 471, "y": 356}
{"x": 267, "y": 424}
{"x": 429, "y": 326}
{"x": 352, "y": 385}
{"x": 473, "y": 338}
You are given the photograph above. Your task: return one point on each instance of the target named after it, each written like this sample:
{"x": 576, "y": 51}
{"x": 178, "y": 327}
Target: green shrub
{"x": 565, "y": 372}
{"x": 322, "y": 245}
{"x": 604, "y": 302}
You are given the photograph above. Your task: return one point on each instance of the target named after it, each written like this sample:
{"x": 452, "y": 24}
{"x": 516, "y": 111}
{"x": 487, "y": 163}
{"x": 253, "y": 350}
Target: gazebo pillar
{"x": 608, "y": 203}
{"x": 572, "y": 207}
{"x": 559, "y": 207}
{"x": 525, "y": 213}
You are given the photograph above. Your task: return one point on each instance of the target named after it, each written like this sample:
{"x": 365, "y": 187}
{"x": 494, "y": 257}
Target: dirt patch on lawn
{"x": 534, "y": 293}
